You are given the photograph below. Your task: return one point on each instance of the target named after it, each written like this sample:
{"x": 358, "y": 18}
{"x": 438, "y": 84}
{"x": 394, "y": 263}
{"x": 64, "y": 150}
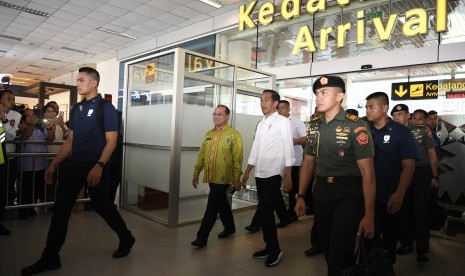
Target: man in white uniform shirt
{"x": 272, "y": 156}
{"x": 299, "y": 135}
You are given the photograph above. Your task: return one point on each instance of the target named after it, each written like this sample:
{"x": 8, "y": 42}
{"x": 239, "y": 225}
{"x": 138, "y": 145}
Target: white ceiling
{"x": 44, "y": 46}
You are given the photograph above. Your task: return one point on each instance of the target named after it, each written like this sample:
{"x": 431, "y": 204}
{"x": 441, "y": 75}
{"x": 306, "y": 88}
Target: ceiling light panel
{"x": 24, "y": 9}
{"x": 79, "y": 51}
{"x": 11, "y": 37}
{"x": 126, "y": 35}
{"x": 215, "y": 4}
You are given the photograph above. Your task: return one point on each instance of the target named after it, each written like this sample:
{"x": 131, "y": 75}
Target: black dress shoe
{"x": 313, "y": 251}
{"x": 40, "y": 266}
{"x": 225, "y": 234}
{"x": 124, "y": 247}
{"x": 252, "y": 229}
{"x": 199, "y": 243}
{"x": 4, "y": 231}
{"x": 404, "y": 250}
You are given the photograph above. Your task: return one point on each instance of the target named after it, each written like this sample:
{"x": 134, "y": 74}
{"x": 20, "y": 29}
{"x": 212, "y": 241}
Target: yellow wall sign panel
{"x": 416, "y": 90}
{"x": 419, "y": 90}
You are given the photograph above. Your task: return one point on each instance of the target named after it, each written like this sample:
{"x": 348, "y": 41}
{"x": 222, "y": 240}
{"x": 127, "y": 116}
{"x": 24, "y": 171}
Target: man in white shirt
{"x": 272, "y": 156}
{"x": 299, "y": 135}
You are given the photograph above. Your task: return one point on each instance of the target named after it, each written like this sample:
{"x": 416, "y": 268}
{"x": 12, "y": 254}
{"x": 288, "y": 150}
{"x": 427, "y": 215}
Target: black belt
{"x": 338, "y": 179}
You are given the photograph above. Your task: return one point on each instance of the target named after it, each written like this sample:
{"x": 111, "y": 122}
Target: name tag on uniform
{"x": 89, "y": 113}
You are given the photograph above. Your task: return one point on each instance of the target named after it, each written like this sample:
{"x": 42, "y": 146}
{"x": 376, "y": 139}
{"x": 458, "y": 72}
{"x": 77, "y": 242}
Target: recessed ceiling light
{"x": 51, "y": 59}
{"x": 11, "y": 37}
{"x": 215, "y": 4}
{"x": 24, "y": 9}
{"x": 79, "y": 51}
{"x": 117, "y": 33}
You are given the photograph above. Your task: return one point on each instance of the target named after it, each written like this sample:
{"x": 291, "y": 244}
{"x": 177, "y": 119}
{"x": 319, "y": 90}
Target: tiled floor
{"x": 164, "y": 251}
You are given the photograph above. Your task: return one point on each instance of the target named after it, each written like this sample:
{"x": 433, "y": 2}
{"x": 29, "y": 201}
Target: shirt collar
{"x": 387, "y": 126}
{"x": 223, "y": 128}
{"x": 340, "y": 116}
{"x": 96, "y": 99}
{"x": 275, "y": 114}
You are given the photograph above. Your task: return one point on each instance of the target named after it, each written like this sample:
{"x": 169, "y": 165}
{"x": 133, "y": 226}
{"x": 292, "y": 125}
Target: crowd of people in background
{"x": 28, "y": 130}
{"x": 369, "y": 176}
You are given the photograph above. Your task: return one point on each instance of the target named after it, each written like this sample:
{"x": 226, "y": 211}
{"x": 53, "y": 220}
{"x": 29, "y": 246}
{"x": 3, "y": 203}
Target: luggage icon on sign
{"x": 416, "y": 90}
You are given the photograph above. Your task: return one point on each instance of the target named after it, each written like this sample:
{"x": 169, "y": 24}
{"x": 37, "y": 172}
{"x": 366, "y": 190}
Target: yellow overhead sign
{"x": 416, "y": 22}
{"x": 419, "y": 90}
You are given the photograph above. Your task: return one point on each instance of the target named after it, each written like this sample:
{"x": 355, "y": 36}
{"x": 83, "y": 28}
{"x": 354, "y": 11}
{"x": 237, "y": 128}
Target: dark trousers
{"x": 295, "y": 190}
{"x": 12, "y": 175}
{"x": 279, "y": 208}
{"x": 3, "y": 185}
{"x": 315, "y": 237}
{"x": 217, "y": 204}
{"x": 269, "y": 194}
{"x": 387, "y": 229}
{"x": 416, "y": 211}
{"x": 338, "y": 210}
{"x": 309, "y": 202}
{"x": 32, "y": 189}
{"x": 73, "y": 176}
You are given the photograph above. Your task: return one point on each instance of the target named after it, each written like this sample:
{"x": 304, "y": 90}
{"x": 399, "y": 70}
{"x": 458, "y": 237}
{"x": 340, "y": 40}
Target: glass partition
{"x": 171, "y": 97}
{"x": 148, "y": 136}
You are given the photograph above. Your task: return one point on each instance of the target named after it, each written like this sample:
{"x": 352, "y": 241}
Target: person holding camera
{"x": 56, "y": 125}
{"x": 32, "y": 168}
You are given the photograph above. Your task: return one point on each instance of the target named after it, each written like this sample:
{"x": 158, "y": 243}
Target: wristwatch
{"x": 299, "y": 196}
{"x": 101, "y": 164}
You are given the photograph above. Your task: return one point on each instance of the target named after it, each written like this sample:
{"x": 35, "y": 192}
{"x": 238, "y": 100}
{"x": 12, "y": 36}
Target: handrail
{"x": 35, "y": 142}
{"x": 10, "y": 157}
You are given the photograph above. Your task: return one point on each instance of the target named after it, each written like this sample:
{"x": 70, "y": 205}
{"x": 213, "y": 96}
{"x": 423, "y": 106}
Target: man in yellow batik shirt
{"x": 220, "y": 157}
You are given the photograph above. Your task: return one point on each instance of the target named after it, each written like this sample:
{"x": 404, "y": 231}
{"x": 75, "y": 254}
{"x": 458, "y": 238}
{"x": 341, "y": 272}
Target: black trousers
{"x": 32, "y": 189}
{"x": 314, "y": 235}
{"x": 3, "y": 185}
{"x": 338, "y": 210}
{"x": 12, "y": 175}
{"x": 279, "y": 208}
{"x": 295, "y": 190}
{"x": 217, "y": 204}
{"x": 416, "y": 211}
{"x": 387, "y": 229}
{"x": 269, "y": 194}
{"x": 73, "y": 176}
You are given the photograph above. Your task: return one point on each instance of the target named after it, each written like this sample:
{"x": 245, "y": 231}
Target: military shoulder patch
{"x": 352, "y": 117}
{"x": 360, "y": 128}
{"x": 315, "y": 118}
{"x": 362, "y": 138}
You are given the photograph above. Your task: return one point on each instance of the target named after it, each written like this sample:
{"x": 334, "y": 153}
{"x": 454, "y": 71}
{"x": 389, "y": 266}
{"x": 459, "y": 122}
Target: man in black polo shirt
{"x": 395, "y": 154}
{"x": 85, "y": 154}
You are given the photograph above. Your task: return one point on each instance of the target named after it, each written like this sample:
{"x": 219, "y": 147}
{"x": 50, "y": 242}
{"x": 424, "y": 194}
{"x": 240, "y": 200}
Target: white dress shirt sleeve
{"x": 289, "y": 159}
